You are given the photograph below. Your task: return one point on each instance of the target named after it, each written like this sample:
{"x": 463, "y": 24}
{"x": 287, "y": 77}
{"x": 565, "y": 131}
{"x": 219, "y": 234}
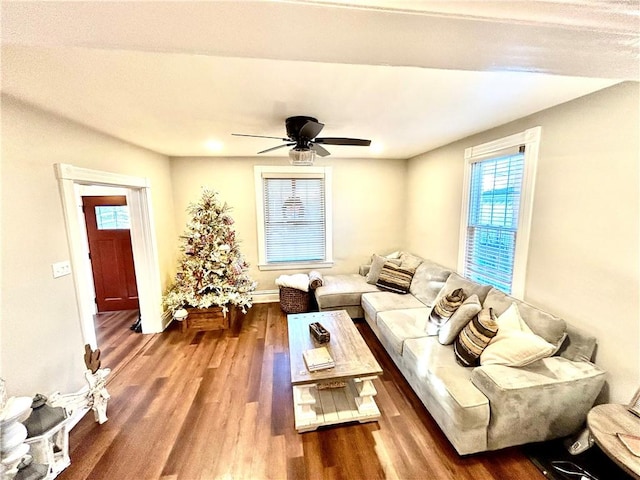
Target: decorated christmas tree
{"x": 212, "y": 271}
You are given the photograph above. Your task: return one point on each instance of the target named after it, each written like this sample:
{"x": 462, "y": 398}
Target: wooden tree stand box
{"x": 208, "y": 318}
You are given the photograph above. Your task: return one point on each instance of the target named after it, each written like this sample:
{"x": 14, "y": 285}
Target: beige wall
{"x": 41, "y": 342}
{"x": 368, "y": 205}
{"x": 583, "y": 260}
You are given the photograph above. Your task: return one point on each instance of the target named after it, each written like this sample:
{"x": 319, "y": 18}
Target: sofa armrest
{"x": 547, "y": 399}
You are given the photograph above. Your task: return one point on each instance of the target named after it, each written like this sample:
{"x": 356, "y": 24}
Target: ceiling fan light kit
{"x": 301, "y": 157}
{"x": 301, "y": 135}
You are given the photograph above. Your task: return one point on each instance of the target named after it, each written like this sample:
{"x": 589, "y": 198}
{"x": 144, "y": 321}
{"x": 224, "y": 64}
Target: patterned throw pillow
{"x": 395, "y": 278}
{"x": 444, "y": 309}
{"x": 377, "y": 262}
{"x": 450, "y": 330}
{"x": 475, "y": 337}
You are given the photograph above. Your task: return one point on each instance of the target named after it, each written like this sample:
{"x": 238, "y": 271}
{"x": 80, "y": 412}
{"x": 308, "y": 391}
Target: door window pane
{"x": 112, "y": 217}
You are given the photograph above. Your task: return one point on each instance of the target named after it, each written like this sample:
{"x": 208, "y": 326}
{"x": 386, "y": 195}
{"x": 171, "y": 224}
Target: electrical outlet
{"x": 60, "y": 269}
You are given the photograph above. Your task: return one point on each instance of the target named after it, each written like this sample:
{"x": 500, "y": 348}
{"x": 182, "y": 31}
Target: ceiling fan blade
{"x": 343, "y": 141}
{"x": 259, "y": 136}
{"x": 275, "y": 148}
{"x": 323, "y": 152}
{"x": 310, "y": 129}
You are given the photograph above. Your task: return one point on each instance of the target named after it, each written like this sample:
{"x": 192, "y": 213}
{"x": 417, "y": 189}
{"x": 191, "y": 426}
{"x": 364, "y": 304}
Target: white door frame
{"x": 143, "y": 243}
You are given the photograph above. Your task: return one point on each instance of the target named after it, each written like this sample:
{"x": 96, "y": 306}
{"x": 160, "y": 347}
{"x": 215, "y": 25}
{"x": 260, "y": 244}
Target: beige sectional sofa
{"x": 481, "y": 408}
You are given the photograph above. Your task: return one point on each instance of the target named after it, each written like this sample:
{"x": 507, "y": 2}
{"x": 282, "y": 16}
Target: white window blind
{"x": 493, "y": 218}
{"x": 294, "y": 220}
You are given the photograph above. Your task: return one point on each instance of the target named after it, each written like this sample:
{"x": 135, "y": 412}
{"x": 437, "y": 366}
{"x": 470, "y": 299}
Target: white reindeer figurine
{"x": 94, "y": 396}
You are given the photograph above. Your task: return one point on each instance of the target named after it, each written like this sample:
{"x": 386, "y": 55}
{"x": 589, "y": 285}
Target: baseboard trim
{"x": 266, "y": 296}
{"x": 167, "y": 318}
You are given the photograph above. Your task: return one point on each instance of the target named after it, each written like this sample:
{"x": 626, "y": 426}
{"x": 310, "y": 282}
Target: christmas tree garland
{"x": 212, "y": 271}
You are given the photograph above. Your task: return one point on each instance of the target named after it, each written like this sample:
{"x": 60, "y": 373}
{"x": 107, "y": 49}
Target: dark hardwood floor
{"x": 208, "y": 405}
{"x": 118, "y": 344}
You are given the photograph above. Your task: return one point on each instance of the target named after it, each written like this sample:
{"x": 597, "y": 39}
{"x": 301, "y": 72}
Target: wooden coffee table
{"x": 344, "y": 393}
{"x": 604, "y": 422}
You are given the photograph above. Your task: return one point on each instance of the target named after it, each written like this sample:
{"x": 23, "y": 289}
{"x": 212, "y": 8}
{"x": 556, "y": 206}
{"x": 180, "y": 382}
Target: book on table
{"x": 318, "y": 359}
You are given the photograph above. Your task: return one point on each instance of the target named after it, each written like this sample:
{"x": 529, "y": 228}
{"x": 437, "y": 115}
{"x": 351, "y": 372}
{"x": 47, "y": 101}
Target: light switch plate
{"x": 60, "y": 269}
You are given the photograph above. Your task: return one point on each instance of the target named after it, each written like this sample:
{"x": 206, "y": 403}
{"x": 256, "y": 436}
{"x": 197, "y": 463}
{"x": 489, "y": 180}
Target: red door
{"x": 107, "y": 220}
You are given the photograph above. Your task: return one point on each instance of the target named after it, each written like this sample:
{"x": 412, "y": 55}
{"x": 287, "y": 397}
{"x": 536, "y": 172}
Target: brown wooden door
{"x": 111, "y": 254}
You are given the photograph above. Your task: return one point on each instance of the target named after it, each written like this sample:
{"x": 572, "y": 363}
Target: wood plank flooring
{"x": 117, "y": 342}
{"x": 218, "y": 404}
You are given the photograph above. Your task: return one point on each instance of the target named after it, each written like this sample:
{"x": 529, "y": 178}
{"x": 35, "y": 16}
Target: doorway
{"x": 108, "y": 233}
{"x": 137, "y": 191}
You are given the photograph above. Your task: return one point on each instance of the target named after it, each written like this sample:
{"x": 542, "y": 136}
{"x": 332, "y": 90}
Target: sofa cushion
{"x": 463, "y": 315}
{"x": 395, "y": 278}
{"x": 377, "y": 262}
{"x": 397, "y": 325}
{"x": 549, "y": 327}
{"x": 449, "y": 383}
{"x": 375, "y": 302}
{"x": 475, "y": 337}
{"x": 428, "y": 281}
{"x": 578, "y": 346}
{"x": 515, "y": 345}
{"x": 342, "y": 290}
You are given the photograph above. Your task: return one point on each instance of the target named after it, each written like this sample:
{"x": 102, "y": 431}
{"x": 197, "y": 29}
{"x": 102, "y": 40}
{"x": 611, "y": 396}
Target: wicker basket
{"x": 293, "y": 300}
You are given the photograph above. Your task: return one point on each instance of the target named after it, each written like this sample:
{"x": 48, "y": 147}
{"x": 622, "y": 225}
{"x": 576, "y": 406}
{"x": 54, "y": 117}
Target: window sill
{"x": 295, "y": 266}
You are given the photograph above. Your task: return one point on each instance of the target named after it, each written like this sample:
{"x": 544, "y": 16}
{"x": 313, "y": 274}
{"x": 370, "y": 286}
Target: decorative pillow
{"x": 463, "y": 315}
{"x": 515, "y": 345}
{"x": 394, "y": 255}
{"x": 410, "y": 262}
{"x": 395, "y": 278}
{"x": 442, "y": 311}
{"x": 474, "y": 338}
{"x": 549, "y": 327}
{"x": 377, "y": 262}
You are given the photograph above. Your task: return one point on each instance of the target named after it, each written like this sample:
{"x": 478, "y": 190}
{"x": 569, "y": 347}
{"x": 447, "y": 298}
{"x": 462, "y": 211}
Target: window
{"x": 294, "y": 212}
{"x": 496, "y": 216}
{"x": 112, "y": 217}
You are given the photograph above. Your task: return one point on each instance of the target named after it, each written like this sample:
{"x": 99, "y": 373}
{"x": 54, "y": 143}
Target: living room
{"x": 583, "y": 260}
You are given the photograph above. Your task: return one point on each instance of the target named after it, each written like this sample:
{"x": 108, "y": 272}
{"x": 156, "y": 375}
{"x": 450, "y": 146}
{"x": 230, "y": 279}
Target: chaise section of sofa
{"x": 343, "y": 292}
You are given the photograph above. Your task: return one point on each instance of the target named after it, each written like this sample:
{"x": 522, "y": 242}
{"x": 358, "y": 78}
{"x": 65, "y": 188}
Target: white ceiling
{"x": 410, "y": 75}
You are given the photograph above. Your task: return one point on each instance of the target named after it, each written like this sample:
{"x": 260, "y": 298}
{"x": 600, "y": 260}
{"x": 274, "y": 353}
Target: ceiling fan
{"x": 302, "y": 134}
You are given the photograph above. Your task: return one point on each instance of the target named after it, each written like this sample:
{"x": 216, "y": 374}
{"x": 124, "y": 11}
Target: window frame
{"x": 530, "y": 138}
{"x": 291, "y": 172}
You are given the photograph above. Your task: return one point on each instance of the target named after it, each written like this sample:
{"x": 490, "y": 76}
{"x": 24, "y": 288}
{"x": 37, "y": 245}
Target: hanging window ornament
{"x": 292, "y": 207}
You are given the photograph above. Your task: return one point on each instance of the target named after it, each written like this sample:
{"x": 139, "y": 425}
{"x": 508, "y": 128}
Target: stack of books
{"x": 318, "y": 359}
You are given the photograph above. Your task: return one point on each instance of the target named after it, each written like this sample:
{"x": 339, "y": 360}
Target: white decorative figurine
{"x": 95, "y": 395}
{"x": 13, "y": 433}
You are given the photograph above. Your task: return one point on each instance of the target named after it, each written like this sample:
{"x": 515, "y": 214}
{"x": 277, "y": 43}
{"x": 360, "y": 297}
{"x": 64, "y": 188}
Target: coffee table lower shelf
{"x": 321, "y": 404}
